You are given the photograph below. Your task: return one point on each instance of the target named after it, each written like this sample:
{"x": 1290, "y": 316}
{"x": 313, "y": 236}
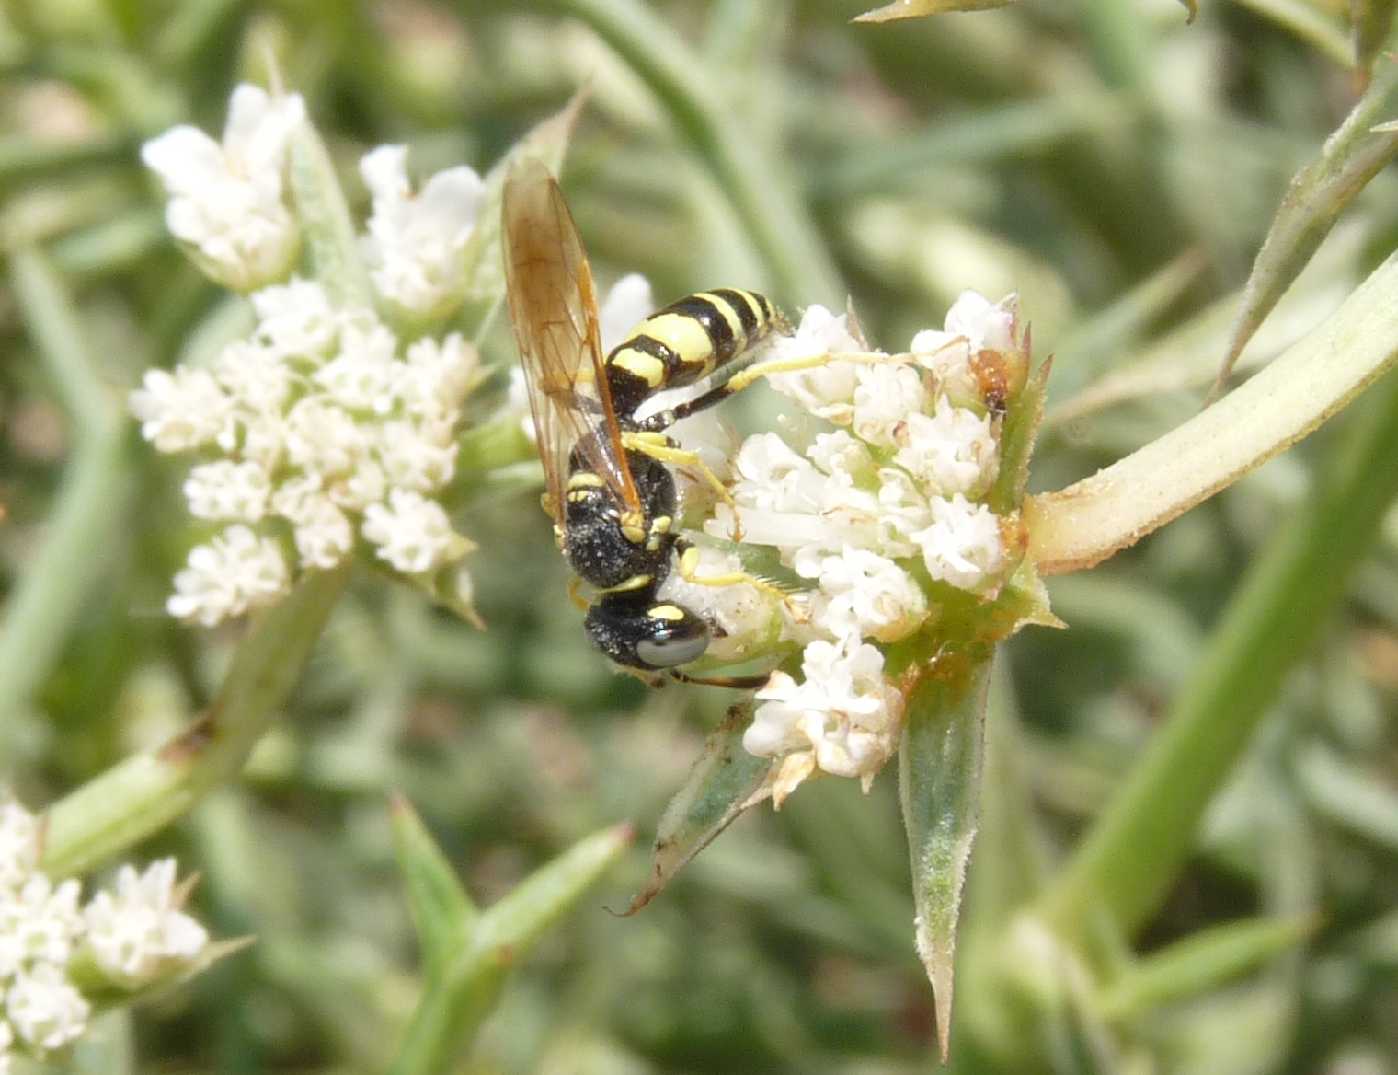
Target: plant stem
{"x": 1123, "y": 868}
{"x": 761, "y": 193}
{"x": 144, "y": 793}
{"x": 1082, "y": 525}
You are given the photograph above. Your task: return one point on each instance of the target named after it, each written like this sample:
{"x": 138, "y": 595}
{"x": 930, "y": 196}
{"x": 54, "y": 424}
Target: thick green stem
{"x": 761, "y": 193}
{"x": 1129, "y": 859}
{"x": 144, "y": 793}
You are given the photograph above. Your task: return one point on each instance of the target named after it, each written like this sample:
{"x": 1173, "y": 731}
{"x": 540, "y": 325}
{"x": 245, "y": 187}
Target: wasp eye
{"x": 676, "y": 636}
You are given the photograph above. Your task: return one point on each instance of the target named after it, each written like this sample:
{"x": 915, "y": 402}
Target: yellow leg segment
{"x": 689, "y": 563}
{"x": 743, "y": 378}
{"x": 575, "y": 593}
{"x": 661, "y": 448}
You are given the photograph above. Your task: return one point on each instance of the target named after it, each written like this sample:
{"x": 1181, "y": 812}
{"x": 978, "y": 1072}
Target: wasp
{"x": 610, "y": 491}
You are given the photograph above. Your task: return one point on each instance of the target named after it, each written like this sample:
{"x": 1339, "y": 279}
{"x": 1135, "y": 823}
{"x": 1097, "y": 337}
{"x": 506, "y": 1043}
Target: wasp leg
{"x": 689, "y": 563}
{"x": 738, "y": 683}
{"x": 575, "y": 594}
{"x": 748, "y": 374}
{"x": 664, "y": 449}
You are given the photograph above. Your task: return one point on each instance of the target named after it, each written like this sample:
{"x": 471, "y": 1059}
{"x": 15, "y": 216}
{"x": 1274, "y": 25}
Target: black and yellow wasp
{"x": 610, "y": 493}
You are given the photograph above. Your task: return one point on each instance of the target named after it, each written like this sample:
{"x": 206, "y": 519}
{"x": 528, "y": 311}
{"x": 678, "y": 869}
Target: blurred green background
{"x": 1115, "y": 167}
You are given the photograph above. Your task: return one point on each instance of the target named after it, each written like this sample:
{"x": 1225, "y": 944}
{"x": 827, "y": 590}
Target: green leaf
{"x": 719, "y": 788}
{"x": 453, "y": 1006}
{"x": 484, "y": 257}
{"x": 442, "y": 911}
{"x": 939, "y": 774}
{"x": 916, "y": 9}
{"x": 324, "y": 214}
{"x": 1371, "y": 20}
{"x": 1318, "y": 193}
{"x": 1199, "y": 963}
{"x": 1023, "y": 415}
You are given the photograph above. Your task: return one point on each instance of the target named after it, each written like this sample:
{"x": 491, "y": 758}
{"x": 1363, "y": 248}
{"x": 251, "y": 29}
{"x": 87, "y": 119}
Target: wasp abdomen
{"x": 685, "y": 342}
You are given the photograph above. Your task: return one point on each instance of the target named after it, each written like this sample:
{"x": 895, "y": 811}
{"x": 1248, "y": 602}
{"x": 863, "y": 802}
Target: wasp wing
{"x": 554, "y": 310}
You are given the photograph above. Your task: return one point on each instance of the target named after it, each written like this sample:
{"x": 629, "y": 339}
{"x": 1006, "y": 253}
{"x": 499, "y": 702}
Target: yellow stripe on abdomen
{"x": 682, "y": 334}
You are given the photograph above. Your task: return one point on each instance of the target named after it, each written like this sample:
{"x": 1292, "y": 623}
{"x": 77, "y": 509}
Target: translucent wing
{"x": 554, "y": 310}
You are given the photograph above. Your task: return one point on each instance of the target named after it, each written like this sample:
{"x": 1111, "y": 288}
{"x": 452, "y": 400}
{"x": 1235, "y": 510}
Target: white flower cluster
{"x": 319, "y": 428}
{"x": 883, "y": 515}
{"x": 323, "y": 426}
{"x": 51, "y": 943}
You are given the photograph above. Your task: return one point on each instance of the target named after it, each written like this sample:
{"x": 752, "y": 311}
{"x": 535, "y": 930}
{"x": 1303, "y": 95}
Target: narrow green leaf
{"x": 1128, "y": 860}
{"x": 484, "y": 258}
{"x": 939, "y": 774}
{"x": 752, "y": 176}
{"x": 453, "y": 1007}
{"x": 916, "y": 9}
{"x": 442, "y": 911}
{"x": 48, "y": 597}
{"x": 324, "y": 214}
{"x": 1318, "y": 193}
{"x": 716, "y": 792}
{"x": 1199, "y": 963}
{"x": 1371, "y": 21}
{"x": 1024, "y": 413}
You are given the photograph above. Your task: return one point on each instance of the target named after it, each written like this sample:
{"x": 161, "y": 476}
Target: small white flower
{"x": 254, "y": 376}
{"x": 437, "y": 377}
{"x": 235, "y": 572}
{"x": 44, "y": 1009}
{"x": 323, "y": 534}
{"x": 227, "y": 491}
{"x": 986, "y": 325}
{"x": 363, "y": 375}
{"x": 19, "y": 845}
{"x": 844, "y": 714}
{"x": 38, "y": 924}
{"x": 415, "y": 242}
{"x": 962, "y": 546}
{"x": 952, "y": 450}
{"x": 140, "y": 931}
{"x": 413, "y": 458}
{"x": 627, "y": 304}
{"x": 741, "y": 617}
{"x": 182, "y": 409}
{"x": 323, "y": 439}
{"x": 887, "y": 393}
{"x": 862, "y": 594}
{"x": 226, "y": 201}
{"x": 296, "y": 320}
{"x": 825, "y": 390}
{"x": 412, "y": 533}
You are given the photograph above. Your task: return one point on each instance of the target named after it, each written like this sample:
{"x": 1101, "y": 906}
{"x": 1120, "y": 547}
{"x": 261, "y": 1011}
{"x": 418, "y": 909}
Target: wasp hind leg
{"x": 688, "y": 567}
{"x": 663, "y": 449}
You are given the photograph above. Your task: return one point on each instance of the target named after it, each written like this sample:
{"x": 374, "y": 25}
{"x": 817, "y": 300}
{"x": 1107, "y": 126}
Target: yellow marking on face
{"x": 665, "y": 612}
{"x": 635, "y": 582}
{"x": 647, "y": 367}
{"x": 661, "y": 524}
{"x": 682, "y": 333}
{"x": 584, "y": 479}
{"x": 578, "y": 496}
{"x": 723, "y": 306}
